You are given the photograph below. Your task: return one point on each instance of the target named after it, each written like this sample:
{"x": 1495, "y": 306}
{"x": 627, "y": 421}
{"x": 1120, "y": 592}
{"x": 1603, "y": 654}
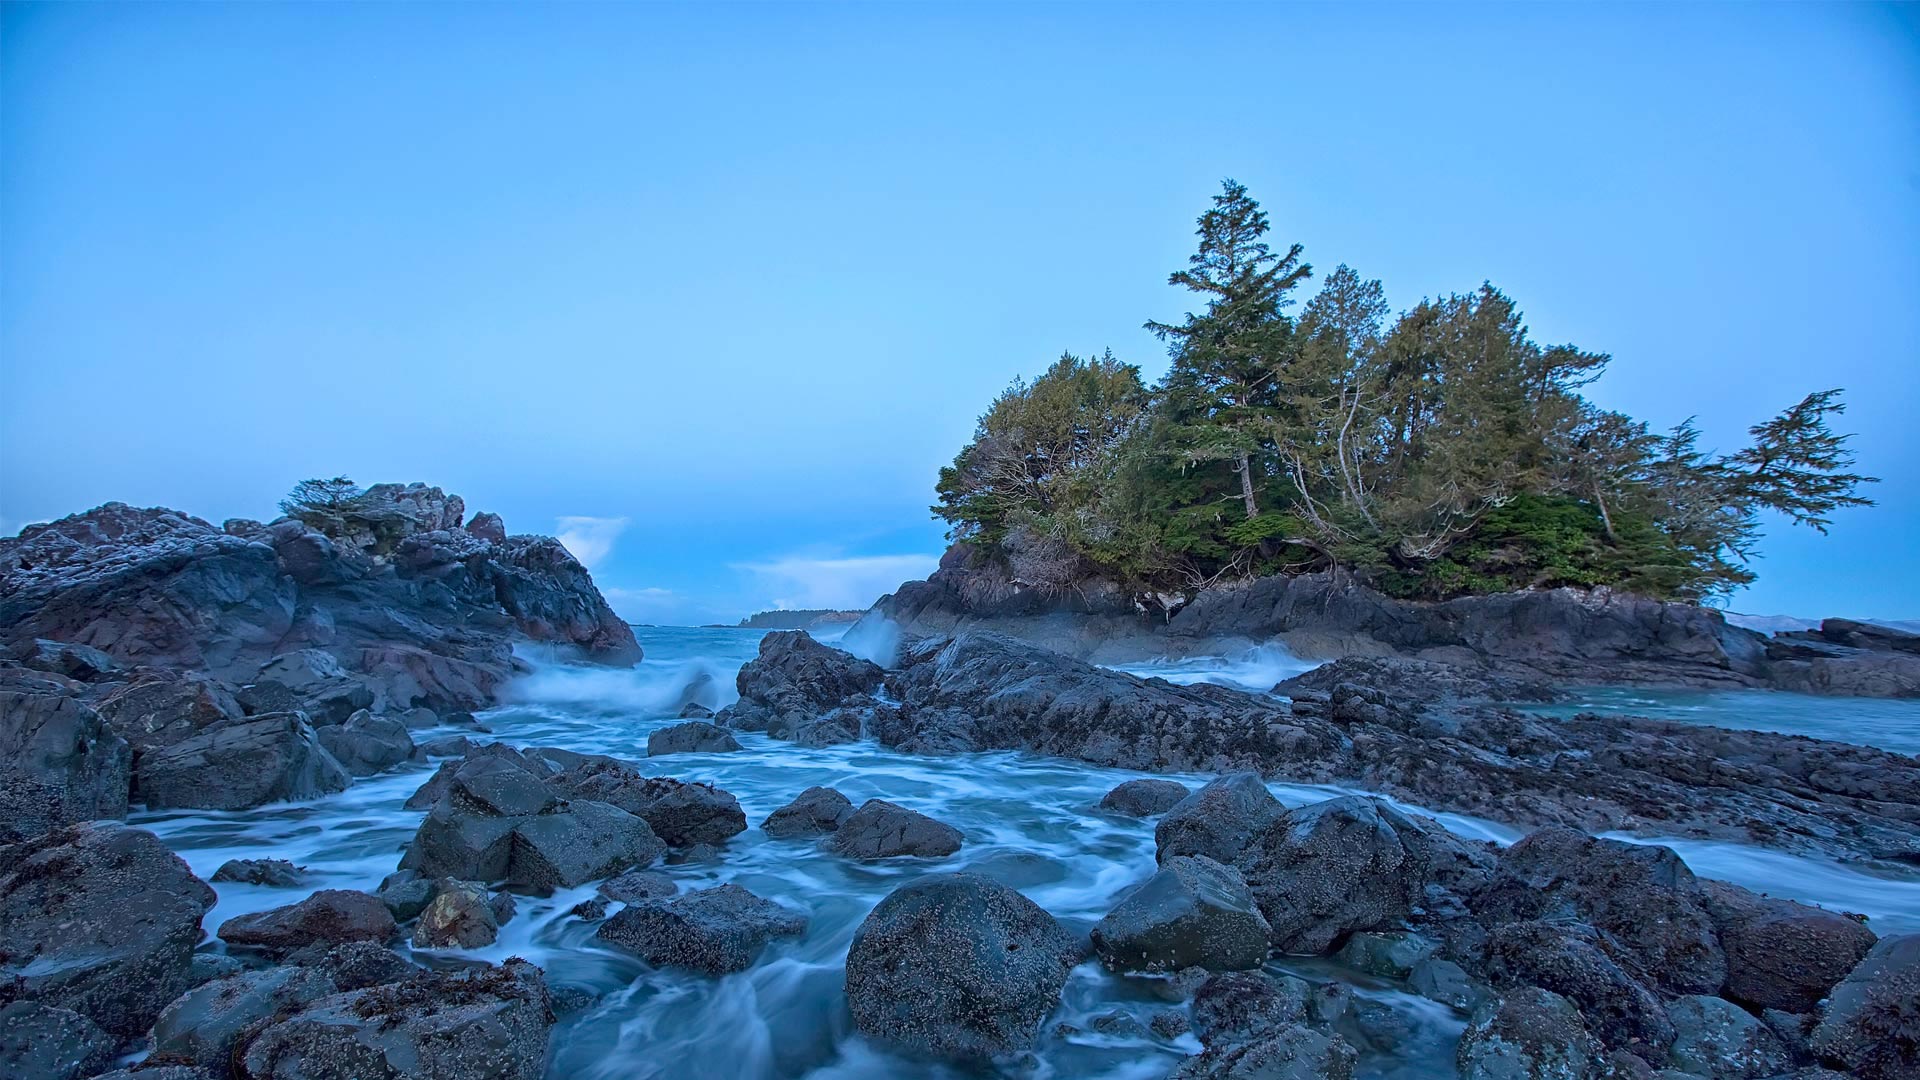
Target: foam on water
{"x": 1256, "y": 668}
{"x": 1028, "y": 821}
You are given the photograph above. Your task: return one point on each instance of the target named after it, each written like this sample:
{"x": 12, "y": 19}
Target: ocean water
{"x": 1028, "y": 821}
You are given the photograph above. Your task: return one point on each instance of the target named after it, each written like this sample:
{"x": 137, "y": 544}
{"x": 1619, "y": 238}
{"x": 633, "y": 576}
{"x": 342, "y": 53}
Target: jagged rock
{"x": 714, "y": 931}
{"x": 1719, "y": 1039}
{"x": 310, "y": 681}
{"x": 208, "y": 1023}
{"x": 41, "y": 1042}
{"x": 80, "y": 662}
{"x": 1871, "y": 1024}
{"x": 956, "y": 966}
{"x": 1529, "y": 1034}
{"x": 842, "y": 725}
{"x": 406, "y": 894}
{"x": 1217, "y": 821}
{"x": 59, "y": 764}
{"x": 1236, "y": 1006}
{"x": 367, "y": 744}
{"x": 883, "y": 830}
{"x": 816, "y": 812}
{"x": 795, "y": 680}
{"x": 275, "y": 872}
{"x": 692, "y": 737}
{"x": 491, "y": 1024}
{"x": 330, "y": 916}
{"x": 1289, "y": 1052}
{"x": 1572, "y": 961}
{"x": 1193, "y": 912}
{"x": 458, "y": 917}
{"x": 355, "y": 965}
{"x": 1780, "y": 954}
{"x": 1641, "y": 895}
{"x": 238, "y": 765}
{"x": 1391, "y": 955}
{"x": 1144, "y": 798}
{"x": 680, "y": 813}
{"x": 99, "y": 919}
{"x": 488, "y": 527}
{"x": 157, "y": 708}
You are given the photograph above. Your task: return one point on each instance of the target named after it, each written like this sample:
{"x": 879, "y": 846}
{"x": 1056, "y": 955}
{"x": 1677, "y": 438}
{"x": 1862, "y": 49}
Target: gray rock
{"x": 208, "y": 966}
{"x": 488, "y": 527}
{"x": 681, "y": 814}
{"x": 419, "y": 718}
{"x": 1871, "y": 1024}
{"x": 367, "y": 744}
{"x": 1445, "y": 982}
{"x": 1529, "y": 1034}
{"x": 846, "y": 724}
{"x": 309, "y": 681}
{"x": 41, "y": 1042}
{"x": 355, "y": 965}
{"x": 1390, "y": 955}
{"x": 956, "y": 966}
{"x": 1289, "y": 1052}
{"x": 1194, "y": 912}
{"x": 458, "y": 917}
{"x": 406, "y": 894}
{"x": 1219, "y": 820}
{"x": 207, "y": 1024}
{"x": 238, "y": 765}
{"x": 330, "y": 917}
{"x": 160, "y": 708}
{"x": 1573, "y": 961}
{"x": 692, "y": 737}
{"x": 636, "y": 885}
{"x": 278, "y": 873}
{"x": 59, "y": 763}
{"x": 1144, "y": 798}
{"x": 883, "y": 830}
{"x": 162, "y": 1072}
{"x": 714, "y": 931}
{"x": 1236, "y": 1006}
{"x": 693, "y": 710}
{"x": 1719, "y": 1039}
{"x": 82, "y": 662}
{"x": 795, "y": 679}
{"x": 816, "y": 812}
{"x": 101, "y": 920}
{"x": 1782, "y": 955}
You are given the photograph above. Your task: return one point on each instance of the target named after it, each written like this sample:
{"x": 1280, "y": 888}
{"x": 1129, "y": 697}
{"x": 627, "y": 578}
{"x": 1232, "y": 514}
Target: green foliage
{"x": 1441, "y": 453}
{"x": 324, "y": 504}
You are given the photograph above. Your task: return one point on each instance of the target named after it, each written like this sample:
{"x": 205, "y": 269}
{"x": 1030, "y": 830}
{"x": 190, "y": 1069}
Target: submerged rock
{"x": 207, "y": 1024}
{"x": 636, "y": 885}
{"x": 692, "y": 737}
{"x": 330, "y": 916}
{"x": 816, "y": 812}
{"x": 238, "y": 765}
{"x": 714, "y": 931}
{"x": 275, "y": 872}
{"x": 1194, "y": 912}
{"x": 883, "y": 830}
{"x": 1144, "y": 798}
{"x": 956, "y": 966}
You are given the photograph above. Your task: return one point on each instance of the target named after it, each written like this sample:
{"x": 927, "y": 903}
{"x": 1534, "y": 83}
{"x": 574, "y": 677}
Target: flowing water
{"x": 1028, "y": 821}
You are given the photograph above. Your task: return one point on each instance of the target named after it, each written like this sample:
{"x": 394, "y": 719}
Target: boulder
{"x": 101, "y": 920}
{"x": 846, "y": 724}
{"x": 160, "y": 708}
{"x": 59, "y": 764}
{"x": 458, "y": 917}
{"x": 713, "y": 931}
{"x": 883, "y": 830}
{"x": 1573, "y": 962}
{"x": 1529, "y": 1034}
{"x": 278, "y": 873}
{"x": 1144, "y": 798}
{"x": 679, "y": 813}
{"x": 1391, "y": 955}
{"x": 406, "y": 894}
{"x": 956, "y": 966}
{"x": 41, "y": 1042}
{"x": 1780, "y": 954}
{"x": 816, "y": 812}
{"x": 1716, "y": 1038}
{"x": 1445, "y": 982}
{"x": 692, "y": 737}
{"x": 1288, "y": 1052}
{"x": 1236, "y": 1006}
{"x": 1871, "y": 1024}
{"x": 238, "y": 765}
{"x": 489, "y": 1024}
{"x": 330, "y": 916}
{"x": 355, "y": 965}
{"x": 693, "y": 710}
{"x": 1219, "y": 820}
{"x": 367, "y": 744}
{"x": 208, "y": 1023}
{"x": 795, "y": 679}
{"x": 637, "y": 885}
{"x": 1193, "y": 912}
{"x": 83, "y": 663}
{"x": 488, "y": 527}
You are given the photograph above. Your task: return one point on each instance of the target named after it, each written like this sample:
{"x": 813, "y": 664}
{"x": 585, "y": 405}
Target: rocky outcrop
{"x": 59, "y": 763}
{"x": 1219, "y": 820}
{"x": 816, "y": 812}
{"x": 794, "y": 681}
{"x": 101, "y": 920}
{"x": 41, "y": 1042}
{"x": 367, "y": 744}
{"x": 884, "y": 830}
{"x": 956, "y": 966}
{"x": 278, "y": 873}
{"x": 238, "y": 764}
{"x": 713, "y": 931}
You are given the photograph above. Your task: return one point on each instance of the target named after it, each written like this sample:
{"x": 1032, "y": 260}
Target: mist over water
{"x": 1028, "y": 821}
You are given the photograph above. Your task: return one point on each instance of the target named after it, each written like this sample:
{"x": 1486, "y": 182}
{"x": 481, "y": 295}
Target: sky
{"x": 711, "y": 292}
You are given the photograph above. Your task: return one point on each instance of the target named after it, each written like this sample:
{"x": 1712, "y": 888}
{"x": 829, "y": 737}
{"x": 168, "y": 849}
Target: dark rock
{"x": 636, "y": 885}
{"x": 1193, "y": 912}
{"x": 1144, "y": 798}
{"x": 59, "y": 764}
{"x": 795, "y": 679}
{"x": 81, "y": 662}
{"x": 1236, "y": 1006}
{"x": 504, "y": 907}
{"x": 883, "y": 830}
{"x": 1219, "y": 820}
{"x": 1391, "y": 955}
{"x": 1719, "y": 1039}
{"x": 488, "y": 527}
{"x": 367, "y": 744}
{"x": 714, "y": 931}
{"x": 310, "y": 681}
{"x": 160, "y": 1072}
{"x": 238, "y": 765}
{"x": 1445, "y": 982}
{"x": 406, "y": 894}
{"x": 1572, "y": 961}
{"x": 418, "y": 718}
{"x": 447, "y": 746}
{"x": 956, "y": 966}
{"x": 330, "y": 916}
{"x": 490, "y": 1024}
{"x": 1168, "y": 1024}
{"x": 458, "y": 917}
{"x": 1410, "y": 682}
{"x": 275, "y": 872}
{"x": 1528, "y": 1034}
{"x": 1289, "y": 1052}
{"x": 842, "y": 725}
{"x": 41, "y": 1042}
{"x": 1780, "y": 954}
{"x": 816, "y": 812}
{"x": 692, "y": 737}
{"x": 159, "y": 708}
{"x": 102, "y": 920}
{"x": 208, "y": 966}
{"x": 1871, "y": 1024}
{"x": 355, "y": 965}
{"x": 679, "y": 813}
{"x": 592, "y": 909}
{"x": 208, "y": 1023}
{"x": 693, "y": 710}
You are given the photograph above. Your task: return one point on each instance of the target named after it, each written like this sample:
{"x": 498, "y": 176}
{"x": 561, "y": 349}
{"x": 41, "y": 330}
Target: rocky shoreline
{"x": 154, "y": 659}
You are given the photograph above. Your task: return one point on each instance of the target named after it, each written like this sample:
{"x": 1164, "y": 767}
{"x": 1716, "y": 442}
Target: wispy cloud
{"x": 848, "y": 583}
{"x": 590, "y": 539}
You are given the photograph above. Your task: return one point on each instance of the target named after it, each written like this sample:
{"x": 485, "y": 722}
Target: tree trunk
{"x": 1243, "y": 467}
{"x": 1606, "y": 519}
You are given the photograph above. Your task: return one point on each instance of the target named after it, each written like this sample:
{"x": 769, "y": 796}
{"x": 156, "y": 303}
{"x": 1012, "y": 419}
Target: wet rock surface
{"x": 816, "y": 812}
{"x": 328, "y": 917}
{"x": 713, "y": 931}
{"x": 692, "y": 737}
{"x": 1193, "y": 913}
{"x": 883, "y": 830}
{"x": 1144, "y": 798}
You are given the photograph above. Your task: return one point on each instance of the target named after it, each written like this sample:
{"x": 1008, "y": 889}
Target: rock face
{"x": 1871, "y": 1026}
{"x": 1193, "y": 913}
{"x": 328, "y": 917}
{"x": 207, "y": 1024}
{"x": 44, "y": 1043}
{"x": 882, "y": 830}
{"x": 1718, "y": 1039}
{"x": 794, "y": 681}
{"x": 956, "y": 966}
{"x": 714, "y": 931}
{"x": 367, "y": 744}
{"x": 239, "y": 764}
{"x": 818, "y": 811}
{"x": 692, "y": 737}
{"x": 475, "y": 1025}
{"x": 1780, "y": 954}
{"x": 101, "y": 920}
{"x": 59, "y": 764}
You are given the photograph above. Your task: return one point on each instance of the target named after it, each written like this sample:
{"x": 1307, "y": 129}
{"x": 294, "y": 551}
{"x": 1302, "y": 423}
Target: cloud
{"x": 590, "y": 539}
{"x": 847, "y": 583}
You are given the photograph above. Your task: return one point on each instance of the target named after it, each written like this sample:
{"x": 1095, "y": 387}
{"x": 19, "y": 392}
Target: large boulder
{"x": 208, "y": 1023}
{"x": 1641, "y": 895}
{"x": 59, "y": 764}
{"x": 458, "y": 917}
{"x": 1782, "y": 954}
{"x": 367, "y": 743}
{"x": 489, "y": 1024}
{"x": 1144, "y": 798}
{"x": 714, "y": 931}
{"x": 691, "y": 737}
{"x": 238, "y": 765}
{"x": 330, "y": 917}
{"x": 794, "y": 680}
{"x": 1871, "y": 1025}
{"x": 816, "y": 812}
{"x": 1718, "y": 1039}
{"x": 1219, "y": 820}
{"x": 159, "y": 708}
{"x": 680, "y": 813}
{"x": 99, "y": 919}
{"x": 41, "y": 1042}
{"x": 1572, "y": 961}
{"x": 1529, "y": 1034}
{"x": 1287, "y": 1052}
{"x": 1193, "y": 912}
{"x": 883, "y": 830}
{"x": 956, "y": 966}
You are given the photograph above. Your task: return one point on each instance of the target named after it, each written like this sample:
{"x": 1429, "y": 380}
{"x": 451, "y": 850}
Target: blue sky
{"x": 715, "y": 290}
